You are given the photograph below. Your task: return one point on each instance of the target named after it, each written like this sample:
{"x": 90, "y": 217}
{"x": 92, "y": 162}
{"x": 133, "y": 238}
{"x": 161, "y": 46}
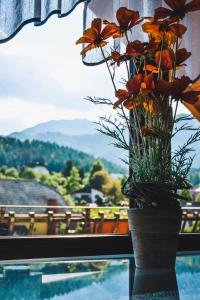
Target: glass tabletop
{"x": 100, "y": 278}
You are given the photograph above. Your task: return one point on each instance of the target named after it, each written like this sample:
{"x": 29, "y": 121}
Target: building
{"x": 27, "y": 193}
{"x": 88, "y": 194}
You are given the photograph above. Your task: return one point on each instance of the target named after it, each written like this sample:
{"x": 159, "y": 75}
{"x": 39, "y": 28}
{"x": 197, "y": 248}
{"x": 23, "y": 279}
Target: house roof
{"x": 27, "y": 192}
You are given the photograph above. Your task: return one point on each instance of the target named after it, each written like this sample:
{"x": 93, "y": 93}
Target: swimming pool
{"x": 111, "y": 278}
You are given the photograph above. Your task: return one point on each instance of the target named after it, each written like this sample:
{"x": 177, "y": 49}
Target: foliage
{"x": 113, "y": 192}
{"x": 12, "y": 172}
{"x": 99, "y": 179}
{"x": 147, "y": 100}
{"x": 97, "y": 166}
{"x": 73, "y": 182}
{"x": 18, "y": 154}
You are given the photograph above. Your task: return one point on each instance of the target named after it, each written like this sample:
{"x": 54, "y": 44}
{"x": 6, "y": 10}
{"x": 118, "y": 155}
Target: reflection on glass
{"x": 113, "y": 279}
{"x": 155, "y": 285}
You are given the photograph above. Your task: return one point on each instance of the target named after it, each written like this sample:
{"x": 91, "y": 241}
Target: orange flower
{"x": 127, "y": 96}
{"x": 127, "y": 19}
{"x": 194, "y": 108}
{"x": 178, "y": 9}
{"x": 177, "y": 88}
{"x": 165, "y": 59}
{"x": 150, "y": 106}
{"x": 94, "y": 36}
{"x": 134, "y": 87}
{"x": 118, "y": 58}
{"x": 137, "y": 48}
{"x": 164, "y": 30}
{"x": 148, "y": 84}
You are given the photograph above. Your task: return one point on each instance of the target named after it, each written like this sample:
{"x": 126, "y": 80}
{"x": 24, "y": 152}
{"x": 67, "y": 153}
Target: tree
{"x": 69, "y": 166}
{"x": 112, "y": 190}
{"x": 30, "y": 174}
{"x": 12, "y": 172}
{"x": 99, "y": 179}
{"x": 73, "y": 182}
{"x": 97, "y": 166}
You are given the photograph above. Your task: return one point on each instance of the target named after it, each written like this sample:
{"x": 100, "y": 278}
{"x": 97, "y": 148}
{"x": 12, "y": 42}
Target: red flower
{"x": 127, "y": 96}
{"x": 178, "y": 9}
{"x": 134, "y": 87}
{"x": 137, "y": 48}
{"x": 164, "y": 59}
{"x": 194, "y": 108}
{"x": 148, "y": 84}
{"x": 166, "y": 30}
{"x": 177, "y": 88}
{"x": 94, "y": 36}
{"x": 181, "y": 55}
{"x": 127, "y": 19}
{"x": 118, "y": 58}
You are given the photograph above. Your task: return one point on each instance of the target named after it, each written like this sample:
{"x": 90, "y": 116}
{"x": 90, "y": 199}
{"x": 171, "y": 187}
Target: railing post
{"x": 196, "y": 215}
{"x": 184, "y": 218}
{"x": 11, "y": 222}
{"x": 2, "y": 214}
{"x": 51, "y": 227}
{"x": 87, "y": 220}
{"x": 32, "y": 221}
{"x": 100, "y": 227}
{"x": 116, "y": 222}
{"x": 68, "y": 216}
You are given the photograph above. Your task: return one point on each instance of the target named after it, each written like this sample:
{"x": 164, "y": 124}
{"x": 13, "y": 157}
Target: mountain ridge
{"x": 88, "y": 139}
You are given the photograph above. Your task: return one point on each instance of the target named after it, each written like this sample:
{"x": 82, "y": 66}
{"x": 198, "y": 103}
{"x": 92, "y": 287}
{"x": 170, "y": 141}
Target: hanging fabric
{"x": 14, "y": 14}
{"x": 106, "y": 9}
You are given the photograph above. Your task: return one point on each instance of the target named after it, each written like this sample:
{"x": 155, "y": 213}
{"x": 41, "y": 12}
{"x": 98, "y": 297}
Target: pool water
{"x": 98, "y": 279}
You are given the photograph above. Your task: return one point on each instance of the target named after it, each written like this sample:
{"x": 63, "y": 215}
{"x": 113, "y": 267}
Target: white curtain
{"x": 106, "y": 9}
{"x": 14, "y": 14}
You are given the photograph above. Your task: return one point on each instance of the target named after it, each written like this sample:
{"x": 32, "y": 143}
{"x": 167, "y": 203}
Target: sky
{"x": 43, "y": 77}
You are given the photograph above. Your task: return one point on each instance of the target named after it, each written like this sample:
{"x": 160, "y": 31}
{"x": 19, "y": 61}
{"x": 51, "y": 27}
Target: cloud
{"x": 19, "y": 114}
{"x": 43, "y": 78}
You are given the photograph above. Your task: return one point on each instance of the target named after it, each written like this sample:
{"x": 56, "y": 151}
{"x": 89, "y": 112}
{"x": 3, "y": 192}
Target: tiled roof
{"x": 27, "y": 192}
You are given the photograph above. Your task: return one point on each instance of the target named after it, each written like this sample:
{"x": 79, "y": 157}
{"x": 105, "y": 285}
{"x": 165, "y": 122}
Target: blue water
{"x": 92, "y": 280}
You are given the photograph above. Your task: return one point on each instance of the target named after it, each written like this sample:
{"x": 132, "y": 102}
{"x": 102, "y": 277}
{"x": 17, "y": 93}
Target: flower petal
{"x": 88, "y": 48}
{"x": 175, "y": 4}
{"x": 181, "y": 55}
{"x": 121, "y": 94}
{"x": 192, "y": 6}
{"x": 178, "y": 29}
{"x": 191, "y": 97}
{"x": 96, "y": 25}
{"x": 134, "y": 84}
{"x": 109, "y": 30}
{"x": 163, "y": 87}
{"x": 194, "y": 109}
{"x": 83, "y": 40}
{"x": 164, "y": 59}
{"x": 162, "y": 12}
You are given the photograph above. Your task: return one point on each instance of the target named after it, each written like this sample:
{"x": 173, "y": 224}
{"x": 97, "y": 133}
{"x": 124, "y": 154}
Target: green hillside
{"x": 16, "y": 153}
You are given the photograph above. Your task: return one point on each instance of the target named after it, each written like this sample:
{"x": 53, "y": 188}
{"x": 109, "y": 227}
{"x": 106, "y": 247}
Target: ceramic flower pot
{"x": 155, "y": 236}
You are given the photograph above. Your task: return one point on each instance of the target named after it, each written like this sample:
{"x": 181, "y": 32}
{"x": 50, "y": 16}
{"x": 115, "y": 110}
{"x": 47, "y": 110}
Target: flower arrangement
{"x": 146, "y": 107}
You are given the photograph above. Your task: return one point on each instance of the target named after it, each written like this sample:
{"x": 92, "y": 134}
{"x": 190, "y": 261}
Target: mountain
{"x": 77, "y": 134}
{"x": 16, "y": 153}
{"x": 82, "y": 135}
{"x": 67, "y": 127}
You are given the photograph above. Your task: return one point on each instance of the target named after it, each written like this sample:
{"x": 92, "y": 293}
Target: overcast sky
{"x": 43, "y": 78}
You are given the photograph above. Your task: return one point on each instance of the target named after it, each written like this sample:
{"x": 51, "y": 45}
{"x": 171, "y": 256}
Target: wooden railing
{"x": 62, "y": 220}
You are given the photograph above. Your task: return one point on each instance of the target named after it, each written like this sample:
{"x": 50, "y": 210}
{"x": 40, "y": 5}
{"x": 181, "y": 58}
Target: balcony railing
{"x": 65, "y": 220}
